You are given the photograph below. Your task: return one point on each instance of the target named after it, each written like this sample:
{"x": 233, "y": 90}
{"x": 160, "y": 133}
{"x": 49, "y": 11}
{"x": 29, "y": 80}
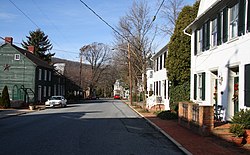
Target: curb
{"x": 20, "y": 113}
{"x": 163, "y": 132}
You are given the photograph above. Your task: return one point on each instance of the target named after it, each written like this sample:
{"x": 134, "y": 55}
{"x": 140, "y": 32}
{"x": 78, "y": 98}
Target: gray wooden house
{"x": 28, "y": 78}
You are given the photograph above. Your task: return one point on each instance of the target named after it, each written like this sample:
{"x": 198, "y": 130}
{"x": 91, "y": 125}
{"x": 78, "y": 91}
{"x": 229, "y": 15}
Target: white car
{"x": 56, "y": 101}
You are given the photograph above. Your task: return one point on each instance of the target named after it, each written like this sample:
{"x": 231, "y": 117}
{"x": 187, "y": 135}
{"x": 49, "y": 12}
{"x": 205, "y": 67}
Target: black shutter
{"x": 208, "y": 35}
{"x": 247, "y": 85}
{"x": 195, "y": 86}
{"x": 241, "y": 18}
{"x": 219, "y": 29}
{"x": 225, "y": 25}
{"x": 203, "y": 37}
{"x": 195, "y": 42}
{"x": 248, "y": 17}
{"x": 203, "y": 85}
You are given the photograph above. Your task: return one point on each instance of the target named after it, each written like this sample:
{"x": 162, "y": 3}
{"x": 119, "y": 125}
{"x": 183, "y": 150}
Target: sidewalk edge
{"x": 163, "y": 132}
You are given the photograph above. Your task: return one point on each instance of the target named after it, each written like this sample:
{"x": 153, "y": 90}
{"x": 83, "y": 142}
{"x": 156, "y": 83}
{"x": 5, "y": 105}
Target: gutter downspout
{"x": 186, "y": 33}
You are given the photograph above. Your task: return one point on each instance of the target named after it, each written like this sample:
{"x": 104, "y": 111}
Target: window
{"x": 45, "y": 75}
{"x": 234, "y": 21}
{"x": 160, "y": 62}
{"x": 55, "y": 90}
{"x": 165, "y": 89}
{"x": 160, "y": 88}
{"x": 214, "y": 32}
{"x": 44, "y": 91}
{"x": 151, "y": 74}
{"x": 164, "y": 60}
{"x": 201, "y": 86}
{"x": 49, "y": 75}
{"x": 39, "y": 92}
{"x": 199, "y": 40}
{"x": 49, "y": 91}
{"x": 17, "y": 57}
{"x": 151, "y": 87}
{"x": 40, "y": 74}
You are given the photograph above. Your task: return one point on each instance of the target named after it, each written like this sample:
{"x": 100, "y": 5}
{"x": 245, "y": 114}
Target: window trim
{"x": 17, "y": 57}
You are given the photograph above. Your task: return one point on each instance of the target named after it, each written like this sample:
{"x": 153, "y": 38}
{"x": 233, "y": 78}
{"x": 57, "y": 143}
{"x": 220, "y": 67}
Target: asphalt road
{"x": 93, "y": 127}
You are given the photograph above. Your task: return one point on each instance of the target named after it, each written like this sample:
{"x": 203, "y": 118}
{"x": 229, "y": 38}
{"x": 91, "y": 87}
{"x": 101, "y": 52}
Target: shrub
{"x": 179, "y": 93}
{"x": 237, "y": 129}
{"x": 242, "y": 117}
{"x": 5, "y": 101}
{"x": 169, "y": 115}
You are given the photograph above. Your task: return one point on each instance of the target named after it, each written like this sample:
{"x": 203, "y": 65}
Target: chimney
{"x": 31, "y": 49}
{"x": 8, "y": 40}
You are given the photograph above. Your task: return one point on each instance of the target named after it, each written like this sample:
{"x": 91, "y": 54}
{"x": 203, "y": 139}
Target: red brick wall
{"x": 205, "y": 123}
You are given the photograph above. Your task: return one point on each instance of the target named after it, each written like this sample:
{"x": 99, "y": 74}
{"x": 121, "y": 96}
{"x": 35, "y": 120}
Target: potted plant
{"x": 238, "y": 131}
{"x": 243, "y": 118}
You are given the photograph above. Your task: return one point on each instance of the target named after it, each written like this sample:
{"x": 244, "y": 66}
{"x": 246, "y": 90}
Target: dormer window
{"x": 17, "y": 57}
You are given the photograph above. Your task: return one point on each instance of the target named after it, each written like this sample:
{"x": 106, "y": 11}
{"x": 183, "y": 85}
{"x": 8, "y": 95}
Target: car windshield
{"x": 55, "y": 98}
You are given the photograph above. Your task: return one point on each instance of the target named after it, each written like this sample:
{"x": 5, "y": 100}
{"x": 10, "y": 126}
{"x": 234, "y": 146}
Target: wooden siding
{"x": 20, "y": 73}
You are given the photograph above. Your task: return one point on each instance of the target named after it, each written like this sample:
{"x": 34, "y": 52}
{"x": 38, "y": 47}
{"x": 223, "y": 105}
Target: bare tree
{"x": 98, "y": 56}
{"x": 137, "y": 29}
{"x": 170, "y": 11}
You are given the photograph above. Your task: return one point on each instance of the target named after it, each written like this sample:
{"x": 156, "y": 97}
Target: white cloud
{"x": 7, "y": 16}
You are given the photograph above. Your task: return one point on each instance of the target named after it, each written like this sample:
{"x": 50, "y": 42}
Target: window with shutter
{"x": 214, "y": 32}
{"x": 241, "y": 22}
{"x": 248, "y": 16}
{"x": 195, "y": 86}
{"x": 195, "y": 42}
{"x": 234, "y": 17}
{"x": 208, "y": 35}
{"x": 219, "y": 23}
{"x": 247, "y": 85}
{"x": 225, "y": 25}
{"x": 203, "y": 85}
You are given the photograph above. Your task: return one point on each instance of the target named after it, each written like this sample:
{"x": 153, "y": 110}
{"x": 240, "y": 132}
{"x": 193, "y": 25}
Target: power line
{"x": 103, "y": 20}
{"x": 24, "y": 14}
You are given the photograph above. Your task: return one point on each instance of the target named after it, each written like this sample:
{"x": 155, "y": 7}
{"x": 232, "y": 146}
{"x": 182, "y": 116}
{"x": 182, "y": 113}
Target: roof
{"x": 206, "y": 9}
{"x": 205, "y": 5}
{"x": 35, "y": 59}
{"x": 164, "y": 49}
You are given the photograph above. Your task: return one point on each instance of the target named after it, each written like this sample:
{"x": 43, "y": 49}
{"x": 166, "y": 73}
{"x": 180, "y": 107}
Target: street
{"x": 93, "y": 127}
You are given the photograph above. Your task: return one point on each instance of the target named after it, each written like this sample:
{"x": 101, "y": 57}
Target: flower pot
{"x": 247, "y": 136}
{"x": 237, "y": 141}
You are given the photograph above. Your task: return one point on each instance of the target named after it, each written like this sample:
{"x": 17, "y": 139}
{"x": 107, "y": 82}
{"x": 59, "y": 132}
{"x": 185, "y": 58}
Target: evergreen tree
{"x": 5, "y": 100}
{"x": 178, "y": 60}
{"x": 41, "y": 44}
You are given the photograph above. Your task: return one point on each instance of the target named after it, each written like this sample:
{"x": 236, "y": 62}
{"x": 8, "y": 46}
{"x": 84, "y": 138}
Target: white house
{"x": 220, "y": 55}
{"x": 158, "y": 80}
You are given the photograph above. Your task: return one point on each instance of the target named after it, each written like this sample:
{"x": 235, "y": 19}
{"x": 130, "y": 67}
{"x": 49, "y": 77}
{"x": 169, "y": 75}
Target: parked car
{"x": 56, "y": 101}
{"x": 117, "y": 96}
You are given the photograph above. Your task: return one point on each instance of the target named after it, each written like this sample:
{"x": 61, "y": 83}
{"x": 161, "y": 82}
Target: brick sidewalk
{"x": 194, "y": 143}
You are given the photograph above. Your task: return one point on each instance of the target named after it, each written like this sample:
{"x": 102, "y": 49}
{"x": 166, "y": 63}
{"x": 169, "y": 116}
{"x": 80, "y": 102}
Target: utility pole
{"x": 80, "y": 69}
{"x": 130, "y": 75}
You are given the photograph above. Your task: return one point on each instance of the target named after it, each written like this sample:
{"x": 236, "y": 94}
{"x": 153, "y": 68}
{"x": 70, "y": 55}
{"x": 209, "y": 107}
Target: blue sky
{"x": 68, "y": 23}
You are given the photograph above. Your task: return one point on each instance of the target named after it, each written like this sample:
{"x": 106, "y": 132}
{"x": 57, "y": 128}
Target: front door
{"x": 236, "y": 94}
